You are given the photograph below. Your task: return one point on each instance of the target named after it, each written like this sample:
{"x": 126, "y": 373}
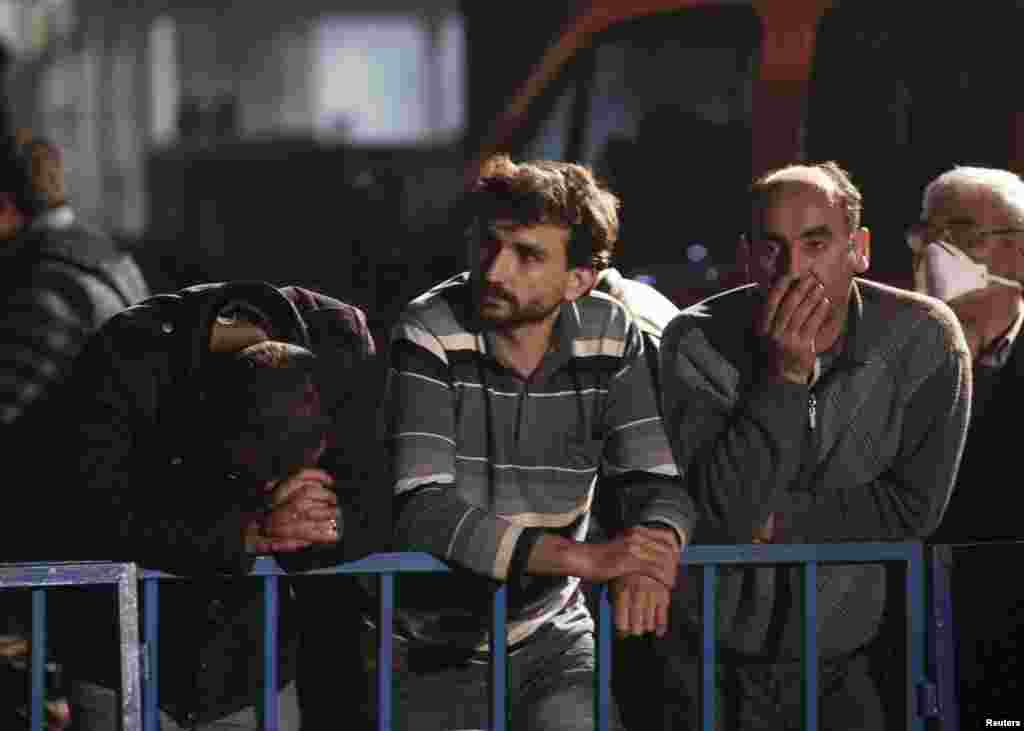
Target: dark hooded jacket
{"x": 140, "y": 491}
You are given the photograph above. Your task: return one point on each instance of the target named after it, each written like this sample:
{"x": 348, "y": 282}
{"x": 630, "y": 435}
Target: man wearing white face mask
{"x": 970, "y": 246}
{"x": 969, "y": 252}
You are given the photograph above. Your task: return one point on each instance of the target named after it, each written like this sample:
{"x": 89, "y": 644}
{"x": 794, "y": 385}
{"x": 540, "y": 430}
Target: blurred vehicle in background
{"x": 326, "y": 143}
{"x": 680, "y": 104}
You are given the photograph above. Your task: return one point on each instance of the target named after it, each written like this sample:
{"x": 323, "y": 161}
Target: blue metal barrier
{"x": 710, "y": 557}
{"x": 809, "y": 556}
{"x": 41, "y": 576}
{"x": 386, "y": 565}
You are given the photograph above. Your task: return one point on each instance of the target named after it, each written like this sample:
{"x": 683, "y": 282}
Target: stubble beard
{"x": 515, "y": 315}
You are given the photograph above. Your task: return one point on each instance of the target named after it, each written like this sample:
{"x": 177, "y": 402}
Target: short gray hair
{"x": 844, "y": 193}
{"x": 1005, "y": 185}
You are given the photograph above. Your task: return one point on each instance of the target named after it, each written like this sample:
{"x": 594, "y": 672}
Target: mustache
{"x": 496, "y": 292}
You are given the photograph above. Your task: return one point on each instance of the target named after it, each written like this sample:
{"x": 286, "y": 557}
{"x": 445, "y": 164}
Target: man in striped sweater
{"x": 512, "y": 387}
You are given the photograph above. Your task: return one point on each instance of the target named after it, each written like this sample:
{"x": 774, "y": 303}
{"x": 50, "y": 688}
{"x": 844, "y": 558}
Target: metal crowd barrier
{"x": 44, "y": 575}
{"x": 919, "y": 703}
{"x": 809, "y": 556}
{"x": 710, "y": 557}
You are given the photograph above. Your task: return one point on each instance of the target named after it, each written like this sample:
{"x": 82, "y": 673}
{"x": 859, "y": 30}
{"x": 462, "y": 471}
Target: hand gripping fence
{"x": 922, "y": 698}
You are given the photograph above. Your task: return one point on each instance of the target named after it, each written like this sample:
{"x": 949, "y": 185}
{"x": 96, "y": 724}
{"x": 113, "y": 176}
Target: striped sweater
{"x": 483, "y": 460}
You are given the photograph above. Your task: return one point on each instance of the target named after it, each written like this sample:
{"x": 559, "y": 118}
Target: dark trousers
{"x": 767, "y": 696}
{"x": 551, "y": 687}
{"x": 988, "y": 619}
{"x": 95, "y": 708}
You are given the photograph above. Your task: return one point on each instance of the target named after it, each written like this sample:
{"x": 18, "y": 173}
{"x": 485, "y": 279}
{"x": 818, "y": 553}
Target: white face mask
{"x": 950, "y": 273}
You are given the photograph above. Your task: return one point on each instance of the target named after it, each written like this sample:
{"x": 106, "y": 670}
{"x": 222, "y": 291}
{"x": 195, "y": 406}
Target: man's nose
{"x": 790, "y": 262}
{"x": 498, "y": 267}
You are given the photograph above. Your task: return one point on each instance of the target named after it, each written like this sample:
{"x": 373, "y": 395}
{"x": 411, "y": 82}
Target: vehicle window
{"x": 390, "y": 79}
{"x": 647, "y": 71}
{"x": 660, "y": 107}
{"x": 165, "y": 87}
{"x": 551, "y": 141}
{"x": 668, "y": 125}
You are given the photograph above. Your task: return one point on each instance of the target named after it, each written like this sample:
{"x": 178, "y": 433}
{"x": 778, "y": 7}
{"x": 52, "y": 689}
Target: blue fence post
{"x": 942, "y": 655}
{"x": 151, "y": 636}
{"x": 499, "y": 659}
{"x": 270, "y": 655}
{"x": 809, "y": 656}
{"x": 709, "y": 663}
{"x": 38, "y": 660}
{"x": 385, "y": 660}
{"x": 916, "y": 637}
{"x": 604, "y": 660}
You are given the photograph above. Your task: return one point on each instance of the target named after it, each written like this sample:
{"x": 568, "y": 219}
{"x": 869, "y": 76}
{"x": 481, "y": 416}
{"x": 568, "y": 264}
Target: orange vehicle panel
{"x": 789, "y": 28}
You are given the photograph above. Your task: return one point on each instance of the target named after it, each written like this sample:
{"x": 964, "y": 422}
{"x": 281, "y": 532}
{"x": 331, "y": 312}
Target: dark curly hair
{"x": 543, "y": 191}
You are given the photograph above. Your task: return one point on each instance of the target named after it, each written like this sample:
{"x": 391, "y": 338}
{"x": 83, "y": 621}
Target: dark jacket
{"x": 140, "y": 493}
{"x": 890, "y": 416}
{"x": 984, "y": 504}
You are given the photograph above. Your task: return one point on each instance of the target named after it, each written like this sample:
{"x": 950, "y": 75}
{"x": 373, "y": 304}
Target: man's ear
{"x": 861, "y": 250}
{"x": 581, "y": 281}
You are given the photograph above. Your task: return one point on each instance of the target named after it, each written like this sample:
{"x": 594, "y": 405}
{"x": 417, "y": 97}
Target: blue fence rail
{"x": 387, "y": 565}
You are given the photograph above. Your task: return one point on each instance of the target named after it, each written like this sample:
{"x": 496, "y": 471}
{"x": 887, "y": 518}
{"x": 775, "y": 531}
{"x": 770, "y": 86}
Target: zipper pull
{"x": 812, "y": 411}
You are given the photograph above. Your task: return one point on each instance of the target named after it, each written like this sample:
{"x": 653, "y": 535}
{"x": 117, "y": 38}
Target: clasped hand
{"x": 302, "y": 511}
{"x": 641, "y": 566}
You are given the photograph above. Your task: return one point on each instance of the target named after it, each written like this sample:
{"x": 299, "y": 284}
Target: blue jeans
{"x": 551, "y": 685}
